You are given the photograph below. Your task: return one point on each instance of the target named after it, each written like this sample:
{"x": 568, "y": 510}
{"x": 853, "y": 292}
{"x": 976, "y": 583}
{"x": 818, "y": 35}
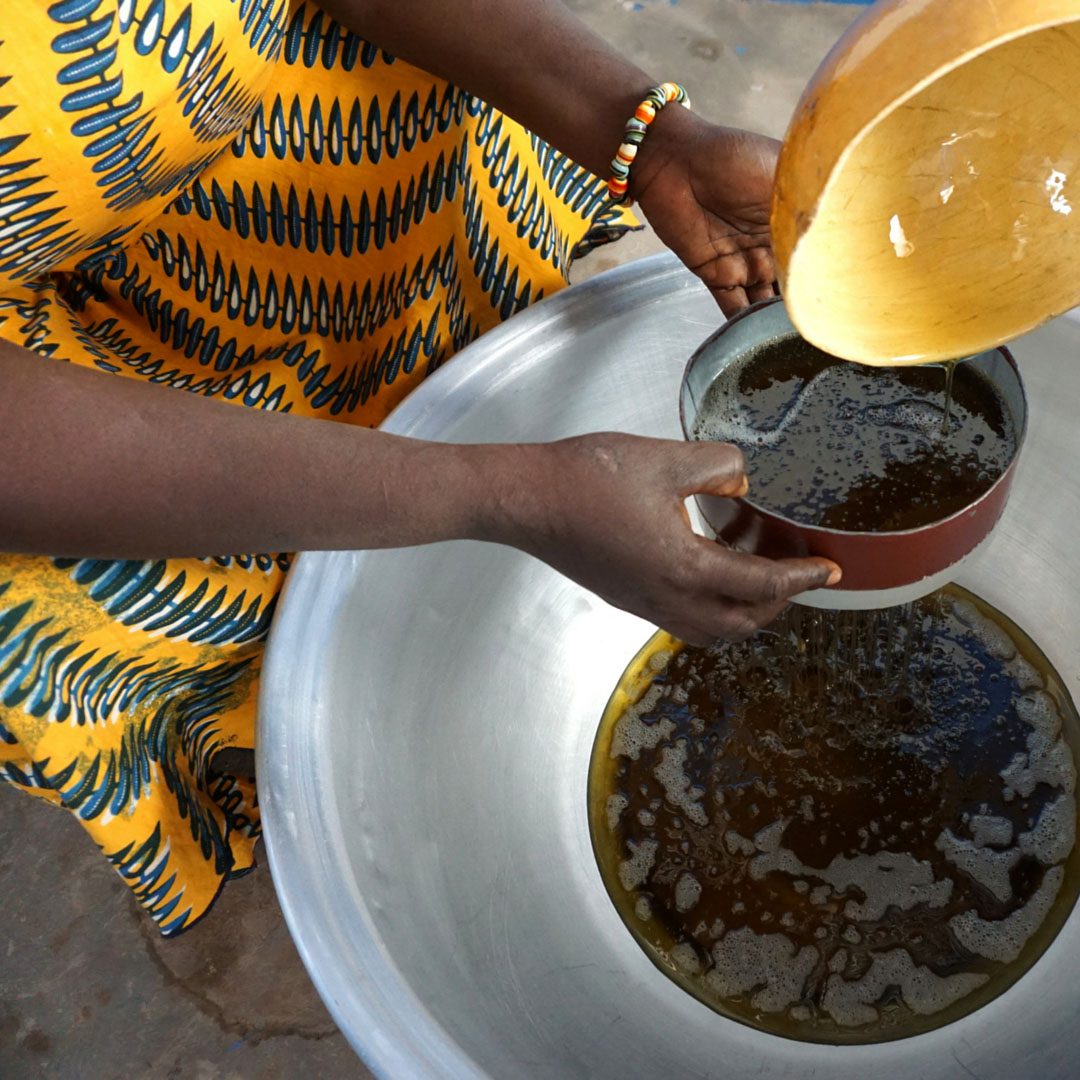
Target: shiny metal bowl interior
{"x": 427, "y": 716}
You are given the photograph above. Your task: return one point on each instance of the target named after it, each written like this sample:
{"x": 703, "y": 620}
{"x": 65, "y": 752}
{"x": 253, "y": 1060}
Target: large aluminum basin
{"x": 427, "y": 717}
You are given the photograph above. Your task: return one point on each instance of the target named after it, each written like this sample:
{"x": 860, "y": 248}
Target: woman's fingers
{"x": 731, "y": 298}
{"x": 754, "y": 293}
{"x": 710, "y": 468}
{"x": 759, "y": 581}
{"x": 727, "y": 620}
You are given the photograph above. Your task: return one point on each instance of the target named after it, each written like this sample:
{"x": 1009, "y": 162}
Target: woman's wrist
{"x": 508, "y": 488}
{"x": 671, "y": 134}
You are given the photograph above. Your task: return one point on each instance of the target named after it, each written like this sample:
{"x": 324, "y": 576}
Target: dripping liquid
{"x": 855, "y": 827}
{"x": 950, "y": 375}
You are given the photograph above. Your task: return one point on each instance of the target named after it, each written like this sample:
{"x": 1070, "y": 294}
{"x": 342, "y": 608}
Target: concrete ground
{"x": 88, "y": 989}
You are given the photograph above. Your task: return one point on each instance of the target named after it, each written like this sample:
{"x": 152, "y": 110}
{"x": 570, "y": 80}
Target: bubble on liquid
{"x": 1039, "y": 711}
{"x": 1047, "y": 762}
{"x": 687, "y": 892}
{"x": 767, "y": 839}
{"x": 987, "y": 829}
{"x": 990, "y": 868}
{"x": 684, "y": 956}
{"x": 922, "y": 417}
{"x": 632, "y": 734}
{"x": 678, "y": 789}
{"x": 885, "y": 879}
{"x": 635, "y": 870}
{"x": 1052, "y": 837}
{"x": 1024, "y": 674}
{"x": 1003, "y": 939}
{"x": 999, "y": 645}
{"x": 721, "y": 418}
{"x": 852, "y": 1002}
{"x": 770, "y": 965}
{"x": 616, "y": 804}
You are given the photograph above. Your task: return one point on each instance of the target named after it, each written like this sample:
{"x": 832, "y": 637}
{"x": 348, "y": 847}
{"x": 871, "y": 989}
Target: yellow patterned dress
{"x": 239, "y": 199}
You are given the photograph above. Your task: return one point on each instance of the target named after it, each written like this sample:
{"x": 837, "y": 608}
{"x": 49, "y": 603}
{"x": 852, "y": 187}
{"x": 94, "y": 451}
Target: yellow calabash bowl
{"x": 927, "y": 201}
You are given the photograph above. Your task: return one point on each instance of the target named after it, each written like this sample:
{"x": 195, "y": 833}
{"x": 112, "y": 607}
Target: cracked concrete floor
{"x": 88, "y": 989}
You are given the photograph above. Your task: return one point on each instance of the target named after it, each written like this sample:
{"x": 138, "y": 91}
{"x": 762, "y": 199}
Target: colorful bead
{"x": 645, "y": 112}
{"x": 636, "y": 127}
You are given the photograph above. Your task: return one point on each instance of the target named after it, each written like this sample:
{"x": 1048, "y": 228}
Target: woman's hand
{"x": 707, "y": 191}
{"x": 609, "y": 511}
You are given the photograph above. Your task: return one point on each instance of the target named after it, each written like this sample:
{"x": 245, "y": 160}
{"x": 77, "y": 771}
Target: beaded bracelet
{"x": 636, "y": 127}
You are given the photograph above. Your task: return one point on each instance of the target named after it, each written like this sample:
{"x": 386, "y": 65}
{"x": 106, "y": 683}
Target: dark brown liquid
{"x": 857, "y": 448}
{"x": 854, "y": 827}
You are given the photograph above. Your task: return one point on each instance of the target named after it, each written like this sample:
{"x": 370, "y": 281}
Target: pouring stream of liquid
{"x": 950, "y": 372}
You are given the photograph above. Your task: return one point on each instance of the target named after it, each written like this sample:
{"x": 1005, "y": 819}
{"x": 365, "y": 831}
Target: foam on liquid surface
{"x": 855, "y": 448}
{"x": 854, "y": 827}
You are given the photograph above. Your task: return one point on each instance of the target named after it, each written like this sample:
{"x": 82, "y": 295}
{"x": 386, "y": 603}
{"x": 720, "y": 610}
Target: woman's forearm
{"x": 96, "y": 465}
{"x": 93, "y": 464}
{"x": 533, "y": 59}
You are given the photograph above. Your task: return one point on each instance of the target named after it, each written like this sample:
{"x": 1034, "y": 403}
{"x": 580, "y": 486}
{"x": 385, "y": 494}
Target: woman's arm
{"x": 532, "y": 59}
{"x": 93, "y": 464}
{"x": 706, "y": 190}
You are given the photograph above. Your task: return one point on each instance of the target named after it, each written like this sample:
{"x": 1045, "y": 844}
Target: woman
{"x": 245, "y": 200}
